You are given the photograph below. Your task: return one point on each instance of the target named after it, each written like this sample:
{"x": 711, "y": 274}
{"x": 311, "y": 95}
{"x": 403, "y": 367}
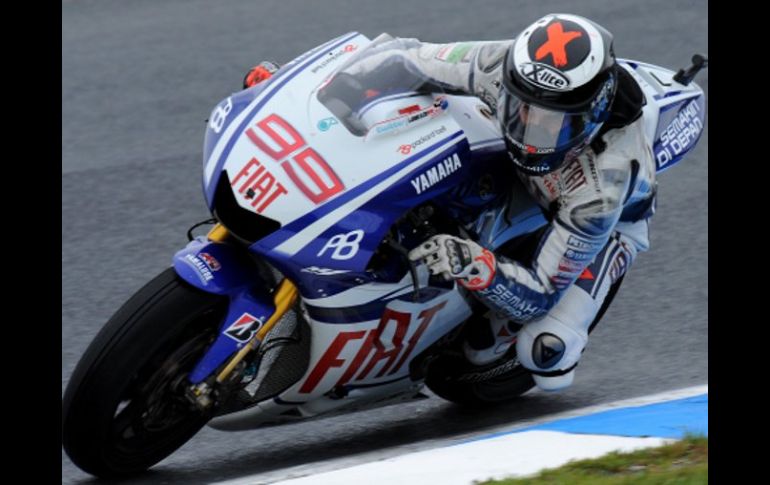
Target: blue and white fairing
{"x": 335, "y": 177}
{"x": 291, "y": 154}
{"x": 231, "y": 116}
{"x": 674, "y": 114}
{"x": 330, "y": 177}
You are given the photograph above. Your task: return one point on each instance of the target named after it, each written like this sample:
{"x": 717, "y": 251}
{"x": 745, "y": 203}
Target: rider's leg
{"x": 552, "y": 346}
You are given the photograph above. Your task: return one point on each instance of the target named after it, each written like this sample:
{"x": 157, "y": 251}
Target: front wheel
{"x": 124, "y": 409}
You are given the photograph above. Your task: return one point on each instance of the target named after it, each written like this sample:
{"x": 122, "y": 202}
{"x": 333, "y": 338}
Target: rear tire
{"x": 457, "y": 380}
{"x": 124, "y": 409}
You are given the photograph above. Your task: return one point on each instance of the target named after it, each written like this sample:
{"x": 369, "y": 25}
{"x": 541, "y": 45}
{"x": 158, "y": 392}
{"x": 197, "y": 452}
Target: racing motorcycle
{"x": 301, "y": 301}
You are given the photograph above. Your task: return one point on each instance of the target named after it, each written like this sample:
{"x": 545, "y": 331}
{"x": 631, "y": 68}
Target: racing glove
{"x": 450, "y": 257}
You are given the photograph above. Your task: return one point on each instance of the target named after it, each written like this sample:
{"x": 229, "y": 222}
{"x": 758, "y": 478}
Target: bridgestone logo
{"x": 544, "y": 76}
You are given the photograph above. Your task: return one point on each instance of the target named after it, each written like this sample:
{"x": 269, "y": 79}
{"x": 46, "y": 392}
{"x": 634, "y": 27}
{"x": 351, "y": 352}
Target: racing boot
{"x": 489, "y": 339}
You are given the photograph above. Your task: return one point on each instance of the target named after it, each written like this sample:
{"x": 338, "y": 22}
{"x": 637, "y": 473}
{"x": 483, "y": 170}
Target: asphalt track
{"x": 140, "y": 77}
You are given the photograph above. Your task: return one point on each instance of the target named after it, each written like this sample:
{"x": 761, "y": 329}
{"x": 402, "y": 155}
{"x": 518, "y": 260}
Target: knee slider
{"x": 550, "y": 347}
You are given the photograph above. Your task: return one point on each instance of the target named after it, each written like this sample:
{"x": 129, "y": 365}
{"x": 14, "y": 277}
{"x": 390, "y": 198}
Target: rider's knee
{"x": 551, "y": 349}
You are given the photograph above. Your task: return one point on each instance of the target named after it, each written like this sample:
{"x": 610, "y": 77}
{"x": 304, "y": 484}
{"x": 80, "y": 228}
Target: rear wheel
{"x": 124, "y": 409}
{"x": 455, "y": 379}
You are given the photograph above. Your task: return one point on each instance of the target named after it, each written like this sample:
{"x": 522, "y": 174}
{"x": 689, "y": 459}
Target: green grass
{"x": 684, "y": 462}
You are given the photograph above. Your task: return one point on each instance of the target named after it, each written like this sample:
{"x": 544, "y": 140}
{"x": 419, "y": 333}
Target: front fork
{"x": 215, "y": 266}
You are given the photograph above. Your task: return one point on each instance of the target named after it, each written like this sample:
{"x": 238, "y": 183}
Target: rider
{"x": 571, "y": 119}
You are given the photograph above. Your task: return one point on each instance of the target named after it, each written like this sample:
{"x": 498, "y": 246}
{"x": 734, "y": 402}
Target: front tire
{"x": 124, "y": 409}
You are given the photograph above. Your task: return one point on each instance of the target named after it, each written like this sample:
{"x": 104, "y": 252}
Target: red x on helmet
{"x": 558, "y": 85}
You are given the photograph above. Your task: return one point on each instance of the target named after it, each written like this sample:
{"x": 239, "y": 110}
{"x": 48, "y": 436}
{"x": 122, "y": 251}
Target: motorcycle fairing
{"x": 674, "y": 114}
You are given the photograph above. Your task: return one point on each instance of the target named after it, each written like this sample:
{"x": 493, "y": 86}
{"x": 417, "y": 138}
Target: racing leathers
{"x": 598, "y": 205}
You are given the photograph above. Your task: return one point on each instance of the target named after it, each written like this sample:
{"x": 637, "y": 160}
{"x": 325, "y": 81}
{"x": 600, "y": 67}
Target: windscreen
{"x": 378, "y": 73}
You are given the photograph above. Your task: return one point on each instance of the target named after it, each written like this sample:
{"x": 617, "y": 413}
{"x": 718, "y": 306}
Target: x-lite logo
{"x": 544, "y": 75}
{"x": 556, "y": 43}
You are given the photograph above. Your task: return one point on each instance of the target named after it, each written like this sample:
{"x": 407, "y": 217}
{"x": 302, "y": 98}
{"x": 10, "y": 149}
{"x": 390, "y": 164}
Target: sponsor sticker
{"x": 407, "y": 148}
{"x": 243, "y": 328}
{"x": 436, "y": 173}
{"x": 544, "y": 76}
{"x": 210, "y": 261}
{"x": 324, "y": 271}
{"x": 204, "y": 273}
{"x": 345, "y": 245}
{"x": 333, "y": 56}
{"x": 454, "y": 53}
{"x": 680, "y": 133}
{"x": 327, "y": 123}
{"x": 410, "y": 115}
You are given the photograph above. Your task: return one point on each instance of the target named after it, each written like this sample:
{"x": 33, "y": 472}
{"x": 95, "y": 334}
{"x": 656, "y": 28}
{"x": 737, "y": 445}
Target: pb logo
{"x": 345, "y": 245}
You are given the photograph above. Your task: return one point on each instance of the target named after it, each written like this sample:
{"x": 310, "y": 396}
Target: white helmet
{"x": 558, "y": 85}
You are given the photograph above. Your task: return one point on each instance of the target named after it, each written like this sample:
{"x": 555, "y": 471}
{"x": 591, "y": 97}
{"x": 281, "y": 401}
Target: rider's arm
{"x": 593, "y": 190}
{"x": 467, "y": 67}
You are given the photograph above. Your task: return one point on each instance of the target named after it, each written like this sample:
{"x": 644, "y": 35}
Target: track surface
{"x": 140, "y": 77}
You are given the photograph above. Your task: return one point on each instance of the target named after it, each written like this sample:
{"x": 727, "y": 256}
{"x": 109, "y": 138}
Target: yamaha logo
{"x": 544, "y": 76}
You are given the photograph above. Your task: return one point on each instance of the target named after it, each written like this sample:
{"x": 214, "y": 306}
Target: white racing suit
{"x": 599, "y": 206}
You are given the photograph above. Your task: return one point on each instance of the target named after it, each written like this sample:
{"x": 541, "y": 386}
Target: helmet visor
{"x": 537, "y": 130}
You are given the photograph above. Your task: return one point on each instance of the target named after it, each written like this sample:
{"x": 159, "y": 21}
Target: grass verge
{"x": 684, "y": 462}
